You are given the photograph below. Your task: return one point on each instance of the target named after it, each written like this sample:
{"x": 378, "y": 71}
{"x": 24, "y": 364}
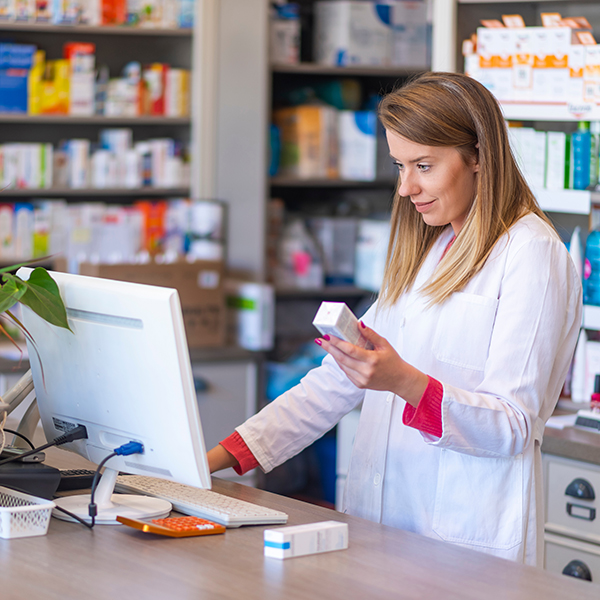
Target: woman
{"x": 473, "y": 334}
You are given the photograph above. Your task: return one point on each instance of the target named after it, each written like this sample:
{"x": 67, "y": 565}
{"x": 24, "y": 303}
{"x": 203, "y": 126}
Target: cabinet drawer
{"x": 573, "y": 556}
{"x": 572, "y": 502}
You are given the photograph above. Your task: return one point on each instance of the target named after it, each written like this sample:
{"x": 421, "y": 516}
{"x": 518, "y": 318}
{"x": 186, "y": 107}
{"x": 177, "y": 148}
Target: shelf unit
{"x": 309, "y": 68}
{"x": 8, "y": 118}
{"x": 307, "y": 194}
{"x": 561, "y": 546}
{"x": 100, "y": 29}
{"x": 115, "y": 46}
{"x": 117, "y": 193}
{"x": 293, "y": 182}
{"x": 550, "y": 111}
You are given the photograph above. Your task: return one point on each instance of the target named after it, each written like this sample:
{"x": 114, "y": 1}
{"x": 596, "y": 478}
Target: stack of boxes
{"x": 72, "y": 85}
{"x": 111, "y": 234}
{"x": 137, "y": 13}
{"x": 352, "y": 33}
{"x": 114, "y": 162}
{"x": 319, "y": 141}
{"x": 555, "y": 160}
{"x": 558, "y": 62}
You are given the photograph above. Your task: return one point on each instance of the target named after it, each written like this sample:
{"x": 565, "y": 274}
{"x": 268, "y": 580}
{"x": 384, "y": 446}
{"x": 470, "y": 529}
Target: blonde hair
{"x": 452, "y": 110}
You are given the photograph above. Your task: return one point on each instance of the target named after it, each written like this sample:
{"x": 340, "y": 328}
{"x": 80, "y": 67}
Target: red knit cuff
{"x": 235, "y": 444}
{"x": 427, "y": 417}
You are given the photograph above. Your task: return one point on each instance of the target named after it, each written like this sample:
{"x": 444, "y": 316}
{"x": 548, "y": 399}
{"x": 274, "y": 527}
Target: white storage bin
{"x": 22, "y": 515}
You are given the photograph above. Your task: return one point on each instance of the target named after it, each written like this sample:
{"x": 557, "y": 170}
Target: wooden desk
{"x": 113, "y": 562}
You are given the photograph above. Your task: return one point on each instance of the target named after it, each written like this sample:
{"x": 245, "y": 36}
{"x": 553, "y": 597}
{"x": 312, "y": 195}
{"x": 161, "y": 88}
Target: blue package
{"x": 13, "y": 90}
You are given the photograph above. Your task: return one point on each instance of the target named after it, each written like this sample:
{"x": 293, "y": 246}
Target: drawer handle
{"x": 581, "y": 512}
{"x": 580, "y": 488}
{"x": 579, "y": 569}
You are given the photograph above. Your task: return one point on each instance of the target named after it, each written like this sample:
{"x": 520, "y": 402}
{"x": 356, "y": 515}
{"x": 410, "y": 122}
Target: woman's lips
{"x": 423, "y": 206}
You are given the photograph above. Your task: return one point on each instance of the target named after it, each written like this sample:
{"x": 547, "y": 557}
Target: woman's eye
{"x": 423, "y": 168}
{"x": 399, "y": 165}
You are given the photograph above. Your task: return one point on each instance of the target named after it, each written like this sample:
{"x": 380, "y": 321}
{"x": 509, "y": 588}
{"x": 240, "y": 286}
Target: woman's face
{"x": 436, "y": 179}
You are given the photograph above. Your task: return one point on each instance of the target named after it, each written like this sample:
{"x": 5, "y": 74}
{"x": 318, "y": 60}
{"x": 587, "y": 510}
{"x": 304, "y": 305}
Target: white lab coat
{"x": 501, "y": 348}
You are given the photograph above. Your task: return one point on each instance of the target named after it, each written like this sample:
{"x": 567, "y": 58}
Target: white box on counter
{"x": 300, "y": 540}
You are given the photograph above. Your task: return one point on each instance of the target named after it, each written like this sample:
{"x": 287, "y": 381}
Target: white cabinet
{"x": 577, "y": 558}
{"x": 226, "y": 394}
{"x": 572, "y": 530}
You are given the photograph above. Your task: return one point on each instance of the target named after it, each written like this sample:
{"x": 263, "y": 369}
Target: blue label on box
{"x": 279, "y": 545}
{"x": 365, "y": 121}
{"x": 384, "y": 13}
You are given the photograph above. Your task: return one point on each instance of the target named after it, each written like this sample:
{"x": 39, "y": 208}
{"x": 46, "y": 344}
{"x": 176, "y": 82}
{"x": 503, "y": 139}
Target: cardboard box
{"x": 308, "y": 141}
{"x": 201, "y": 291}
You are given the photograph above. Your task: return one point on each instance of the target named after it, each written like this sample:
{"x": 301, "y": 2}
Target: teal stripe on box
{"x": 280, "y": 545}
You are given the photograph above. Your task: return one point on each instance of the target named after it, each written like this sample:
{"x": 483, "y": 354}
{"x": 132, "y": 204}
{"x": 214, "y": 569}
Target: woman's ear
{"x": 476, "y": 165}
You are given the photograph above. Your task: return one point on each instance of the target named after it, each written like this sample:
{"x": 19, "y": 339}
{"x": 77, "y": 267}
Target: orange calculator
{"x": 175, "y": 526}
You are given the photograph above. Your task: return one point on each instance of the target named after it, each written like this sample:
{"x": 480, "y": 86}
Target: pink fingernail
{"x": 363, "y": 325}
{"x": 318, "y": 342}
{"x": 326, "y": 337}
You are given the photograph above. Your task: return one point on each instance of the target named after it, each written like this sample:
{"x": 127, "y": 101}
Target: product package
{"x": 335, "y": 318}
{"x": 251, "y": 308}
{"x": 300, "y": 540}
{"x": 353, "y": 33}
{"x": 358, "y": 144}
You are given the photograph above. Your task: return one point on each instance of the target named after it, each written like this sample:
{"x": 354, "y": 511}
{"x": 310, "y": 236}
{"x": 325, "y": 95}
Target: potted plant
{"x": 41, "y": 294}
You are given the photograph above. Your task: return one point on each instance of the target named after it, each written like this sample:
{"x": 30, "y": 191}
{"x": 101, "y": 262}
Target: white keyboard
{"x": 205, "y": 504}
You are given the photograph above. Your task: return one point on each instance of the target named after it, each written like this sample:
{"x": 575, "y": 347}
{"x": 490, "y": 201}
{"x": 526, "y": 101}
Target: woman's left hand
{"x": 381, "y": 368}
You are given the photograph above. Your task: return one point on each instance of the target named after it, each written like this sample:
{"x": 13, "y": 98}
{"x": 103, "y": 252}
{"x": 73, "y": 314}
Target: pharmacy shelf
{"x": 591, "y": 317}
{"x": 323, "y": 292}
{"x": 329, "y": 183}
{"x": 550, "y": 111}
{"x": 95, "y": 30}
{"x": 362, "y": 71}
{"x": 577, "y": 202}
{"x": 95, "y": 192}
{"x": 92, "y": 120}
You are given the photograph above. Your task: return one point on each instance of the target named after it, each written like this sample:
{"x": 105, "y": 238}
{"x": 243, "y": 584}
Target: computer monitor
{"x": 124, "y": 372}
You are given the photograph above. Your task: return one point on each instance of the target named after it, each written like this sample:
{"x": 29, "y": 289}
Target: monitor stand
{"x": 111, "y": 505}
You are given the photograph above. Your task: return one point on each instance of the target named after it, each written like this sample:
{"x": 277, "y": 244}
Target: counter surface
{"x": 72, "y": 562}
{"x": 574, "y": 443}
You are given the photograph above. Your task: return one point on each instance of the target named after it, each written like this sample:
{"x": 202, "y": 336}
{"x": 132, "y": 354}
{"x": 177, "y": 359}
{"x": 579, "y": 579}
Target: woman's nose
{"x": 408, "y": 185}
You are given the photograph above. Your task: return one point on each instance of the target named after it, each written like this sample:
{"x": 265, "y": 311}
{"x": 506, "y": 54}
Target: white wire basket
{"x": 22, "y": 515}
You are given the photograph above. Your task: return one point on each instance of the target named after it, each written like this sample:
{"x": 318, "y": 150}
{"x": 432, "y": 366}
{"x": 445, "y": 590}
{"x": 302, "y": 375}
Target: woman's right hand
{"x": 219, "y": 459}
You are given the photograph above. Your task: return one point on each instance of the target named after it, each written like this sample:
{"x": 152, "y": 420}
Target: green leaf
{"x": 42, "y": 296}
{"x": 10, "y": 293}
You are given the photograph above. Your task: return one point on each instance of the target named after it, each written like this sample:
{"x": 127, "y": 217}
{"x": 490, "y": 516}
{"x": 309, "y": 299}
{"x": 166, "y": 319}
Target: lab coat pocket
{"x": 479, "y": 502}
{"x": 464, "y": 330}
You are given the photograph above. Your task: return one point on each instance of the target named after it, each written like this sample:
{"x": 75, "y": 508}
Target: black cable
{"x": 73, "y": 516}
{"x": 78, "y": 433}
{"x": 13, "y": 432}
{"x": 92, "y": 508}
